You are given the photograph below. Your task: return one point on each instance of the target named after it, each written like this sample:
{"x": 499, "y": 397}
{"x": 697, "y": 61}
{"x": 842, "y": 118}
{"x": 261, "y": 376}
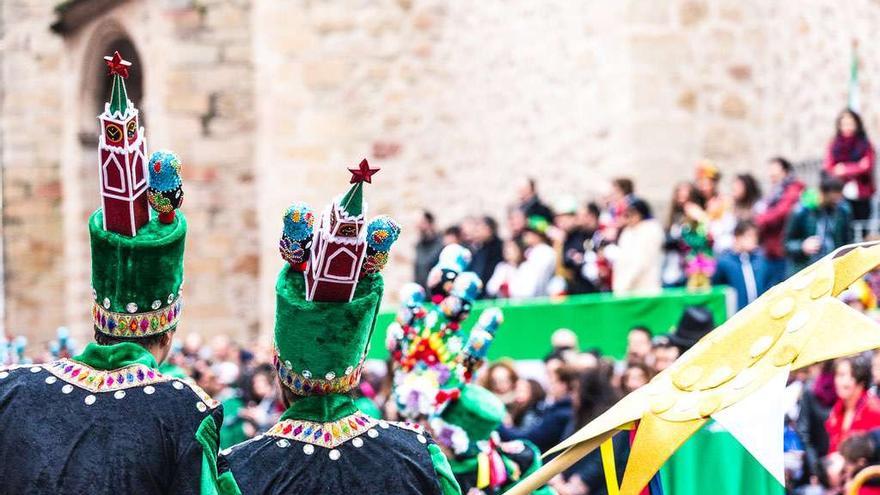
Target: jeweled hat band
{"x": 305, "y": 384}
{"x": 137, "y": 324}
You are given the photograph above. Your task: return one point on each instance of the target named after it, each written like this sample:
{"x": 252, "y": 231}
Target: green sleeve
{"x": 212, "y": 481}
{"x": 448, "y": 484}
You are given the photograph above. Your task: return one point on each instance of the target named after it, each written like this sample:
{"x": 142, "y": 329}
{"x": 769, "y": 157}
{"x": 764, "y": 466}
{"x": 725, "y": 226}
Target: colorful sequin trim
{"x": 406, "y": 425}
{"x": 328, "y": 435}
{"x": 88, "y": 378}
{"x": 306, "y": 385}
{"x": 137, "y": 324}
{"x": 203, "y": 396}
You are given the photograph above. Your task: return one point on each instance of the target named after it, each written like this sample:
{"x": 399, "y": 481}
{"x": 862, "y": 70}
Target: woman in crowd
{"x": 855, "y": 410}
{"x": 639, "y": 254}
{"x": 504, "y": 275}
{"x": 745, "y": 193}
{"x": 717, "y": 213}
{"x": 524, "y": 410}
{"x": 686, "y": 237}
{"x": 634, "y": 377}
{"x": 850, "y": 158}
{"x": 785, "y": 193}
{"x": 501, "y": 378}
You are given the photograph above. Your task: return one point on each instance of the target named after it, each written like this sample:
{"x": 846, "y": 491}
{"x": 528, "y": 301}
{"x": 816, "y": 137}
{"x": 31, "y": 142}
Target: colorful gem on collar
{"x": 94, "y": 380}
{"x": 328, "y": 435}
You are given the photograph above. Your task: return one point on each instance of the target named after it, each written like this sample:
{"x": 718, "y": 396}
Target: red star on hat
{"x": 117, "y": 65}
{"x": 363, "y": 173}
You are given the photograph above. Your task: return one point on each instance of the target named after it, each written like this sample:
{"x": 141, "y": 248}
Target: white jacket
{"x": 638, "y": 259}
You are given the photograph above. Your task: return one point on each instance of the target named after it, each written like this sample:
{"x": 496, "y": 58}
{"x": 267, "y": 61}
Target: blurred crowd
{"x": 718, "y": 231}
{"x": 747, "y": 238}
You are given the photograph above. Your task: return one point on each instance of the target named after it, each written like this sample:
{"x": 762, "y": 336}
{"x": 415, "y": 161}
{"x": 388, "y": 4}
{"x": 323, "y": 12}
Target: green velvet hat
{"x": 137, "y": 281}
{"x": 320, "y": 346}
{"x": 477, "y": 411}
{"x": 328, "y": 295}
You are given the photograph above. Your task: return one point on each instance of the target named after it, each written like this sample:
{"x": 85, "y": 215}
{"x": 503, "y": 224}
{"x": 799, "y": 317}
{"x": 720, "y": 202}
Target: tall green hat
{"x": 137, "y": 259}
{"x": 137, "y": 281}
{"x": 328, "y": 294}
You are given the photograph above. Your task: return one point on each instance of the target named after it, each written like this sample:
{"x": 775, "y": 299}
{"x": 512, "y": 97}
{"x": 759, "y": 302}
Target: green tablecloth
{"x": 600, "y": 320}
{"x": 713, "y": 462}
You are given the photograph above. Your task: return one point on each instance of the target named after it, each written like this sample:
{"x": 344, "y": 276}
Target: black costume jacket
{"x": 105, "y": 422}
{"x": 325, "y": 445}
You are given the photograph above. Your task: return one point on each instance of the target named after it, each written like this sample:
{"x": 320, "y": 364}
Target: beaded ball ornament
{"x": 296, "y": 238}
{"x": 165, "y": 193}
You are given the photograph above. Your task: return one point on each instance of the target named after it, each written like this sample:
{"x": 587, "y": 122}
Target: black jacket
{"x": 60, "y": 435}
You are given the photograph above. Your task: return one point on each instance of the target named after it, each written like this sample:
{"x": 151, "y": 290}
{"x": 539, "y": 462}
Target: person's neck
{"x": 853, "y": 400}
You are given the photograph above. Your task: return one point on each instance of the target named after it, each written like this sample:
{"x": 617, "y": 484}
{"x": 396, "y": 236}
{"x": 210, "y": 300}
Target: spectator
{"x": 529, "y": 202}
{"x": 573, "y": 244}
{"x": 745, "y": 193}
{"x": 634, "y": 377}
{"x": 663, "y": 353}
{"x": 486, "y": 247}
{"x": 499, "y": 284}
{"x": 855, "y": 411}
{"x": 524, "y": 410}
{"x": 819, "y": 227}
{"x": 771, "y": 219}
{"x": 638, "y": 255}
{"x": 695, "y": 323}
{"x": 622, "y": 190}
{"x": 850, "y": 159}
{"x": 452, "y": 235}
{"x": 743, "y": 267}
{"x": 516, "y": 223}
{"x": 717, "y": 214}
{"x": 554, "y": 413}
{"x": 232, "y": 431}
{"x": 427, "y": 248}
{"x": 860, "y": 451}
{"x": 814, "y": 406}
{"x": 564, "y": 339}
{"x": 501, "y": 378}
{"x": 638, "y": 345}
{"x": 534, "y": 273}
{"x": 685, "y": 235}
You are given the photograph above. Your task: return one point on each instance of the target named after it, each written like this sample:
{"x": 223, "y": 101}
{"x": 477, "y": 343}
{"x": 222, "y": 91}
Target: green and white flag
{"x": 853, "y": 98}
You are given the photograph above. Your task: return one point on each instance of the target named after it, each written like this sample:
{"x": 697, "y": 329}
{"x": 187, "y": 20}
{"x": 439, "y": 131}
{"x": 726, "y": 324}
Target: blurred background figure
{"x": 773, "y": 213}
{"x": 821, "y": 225}
{"x": 427, "y": 248}
{"x": 850, "y": 159}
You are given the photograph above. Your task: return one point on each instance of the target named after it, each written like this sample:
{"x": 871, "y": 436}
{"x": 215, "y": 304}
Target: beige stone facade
{"x": 268, "y": 101}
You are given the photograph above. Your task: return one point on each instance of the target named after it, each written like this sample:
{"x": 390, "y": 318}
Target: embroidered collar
{"x": 329, "y": 421}
{"x": 98, "y": 380}
{"x": 330, "y": 434}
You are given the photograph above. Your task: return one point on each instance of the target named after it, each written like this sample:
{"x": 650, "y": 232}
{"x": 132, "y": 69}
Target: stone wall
{"x": 30, "y": 136}
{"x": 268, "y": 102}
{"x": 198, "y": 101}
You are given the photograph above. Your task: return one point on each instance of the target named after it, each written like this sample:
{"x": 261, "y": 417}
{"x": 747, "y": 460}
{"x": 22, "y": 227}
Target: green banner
{"x": 600, "y": 320}
{"x": 713, "y": 461}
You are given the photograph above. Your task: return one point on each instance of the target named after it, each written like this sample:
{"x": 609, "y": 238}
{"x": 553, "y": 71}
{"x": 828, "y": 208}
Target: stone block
{"x": 734, "y": 107}
{"x": 325, "y": 73}
{"x": 692, "y": 12}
